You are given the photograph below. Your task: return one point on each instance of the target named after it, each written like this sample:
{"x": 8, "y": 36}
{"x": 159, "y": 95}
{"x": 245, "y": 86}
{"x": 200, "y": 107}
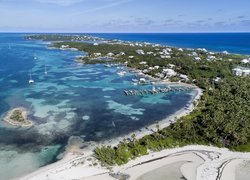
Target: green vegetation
{"x": 222, "y": 117}
{"x": 60, "y": 37}
{"x": 17, "y": 116}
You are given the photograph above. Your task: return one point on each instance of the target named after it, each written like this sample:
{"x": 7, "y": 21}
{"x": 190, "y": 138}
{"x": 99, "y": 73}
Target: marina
{"x": 156, "y": 90}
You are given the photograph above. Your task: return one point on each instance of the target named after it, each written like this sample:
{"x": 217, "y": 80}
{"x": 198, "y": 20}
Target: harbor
{"x": 156, "y": 90}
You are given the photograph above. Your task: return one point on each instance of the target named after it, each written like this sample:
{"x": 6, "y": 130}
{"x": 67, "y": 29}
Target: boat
{"x": 135, "y": 80}
{"x": 121, "y": 73}
{"x": 31, "y": 81}
{"x": 45, "y": 70}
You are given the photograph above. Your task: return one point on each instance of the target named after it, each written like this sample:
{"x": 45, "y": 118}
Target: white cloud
{"x": 60, "y": 2}
{"x": 111, "y": 3}
{"x": 72, "y": 2}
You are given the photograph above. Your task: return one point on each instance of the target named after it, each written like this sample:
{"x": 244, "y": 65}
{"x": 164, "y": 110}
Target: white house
{"x": 95, "y": 44}
{"x": 110, "y": 54}
{"x": 142, "y": 62}
{"x": 156, "y": 67}
{"x": 211, "y": 58}
{"x": 140, "y": 51}
{"x": 171, "y": 66}
{"x": 241, "y": 71}
{"x": 165, "y": 56}
{"x": 197, "y": 58}
{"x": 122, "y": 53}
{"x": 225, "y": 52}
{"x": 184, "y": 77}
{"x": 217, "y": 80}
{"x": 202, "y": 49}
{"x": 194, "y": 54}
{"x": 169, "y": 72}
{"x": 142, "y": 80}
{"x": 131, "y": 57}
{"x": 245, "y": 61}
{"x": 64, "y": 46}
{"x": 97, "y": 54}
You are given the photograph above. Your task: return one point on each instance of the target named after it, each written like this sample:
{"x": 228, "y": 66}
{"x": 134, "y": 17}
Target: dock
{"x": 155, "y": 90}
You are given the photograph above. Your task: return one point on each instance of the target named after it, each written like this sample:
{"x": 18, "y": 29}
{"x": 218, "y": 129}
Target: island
{"x": 203, "y": 144}
{"x": 18, "y": 117}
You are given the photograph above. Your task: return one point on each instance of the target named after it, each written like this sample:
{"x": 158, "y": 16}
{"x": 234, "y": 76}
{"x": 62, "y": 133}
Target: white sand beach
{"x": 191, "y": 162}
{"x": 25, "y": 123}
{"x": 194, "y": 162}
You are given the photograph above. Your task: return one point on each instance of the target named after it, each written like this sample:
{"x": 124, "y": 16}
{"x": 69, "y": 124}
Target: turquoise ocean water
{"x": 86, "y": 101}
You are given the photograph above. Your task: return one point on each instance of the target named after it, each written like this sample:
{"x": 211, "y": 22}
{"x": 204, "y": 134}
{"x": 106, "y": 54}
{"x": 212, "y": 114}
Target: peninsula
{"x": 221, "y": 116}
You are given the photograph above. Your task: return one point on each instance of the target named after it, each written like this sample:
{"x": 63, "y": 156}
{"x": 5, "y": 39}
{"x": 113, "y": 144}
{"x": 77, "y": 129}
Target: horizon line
{"x": 72, "y": 32}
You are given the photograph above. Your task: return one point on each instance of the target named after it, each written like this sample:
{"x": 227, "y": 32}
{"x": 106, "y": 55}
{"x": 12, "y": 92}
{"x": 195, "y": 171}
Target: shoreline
{"x": 199, "y": 162}
{"x": 26, "y": 123}
{"x": 203, "y": 152}
{"x": 71, "y": 156}
{"x": 163, "y": 123}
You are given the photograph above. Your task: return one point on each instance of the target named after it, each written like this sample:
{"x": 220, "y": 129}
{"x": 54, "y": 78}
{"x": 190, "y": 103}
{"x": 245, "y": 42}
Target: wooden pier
{"x": 155, "y": 90}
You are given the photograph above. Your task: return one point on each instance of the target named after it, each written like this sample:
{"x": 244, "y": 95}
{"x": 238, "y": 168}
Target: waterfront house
{"x": 225, "y": 52}
{"x": 97, "y": 54}
{"x": 110, "y": 54}
{"x": 202, "y": 49}
{"x": 184, "y": 77}
{"x": 169, "y": 72}
{"x": 142, "y": 80}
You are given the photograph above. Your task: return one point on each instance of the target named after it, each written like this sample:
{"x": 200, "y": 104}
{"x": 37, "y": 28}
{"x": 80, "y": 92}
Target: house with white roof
{"x": 122, "y": 53}
{"x": 194, "y": 54}
{"x": 110, "y": 54}
{"x": 140, "y": 51}
{"x": 241, "y": 71}
{"x": 202, "y": 49}
{"x": 211, "y": 58}
{"x": 169, "y": 72}
{"x": 245, "y": 61}
{"x": 197, "y": 58}
{"x": 142, "y": 62}
{"x": 225, "y": 52}
{"x": 97, "y": 54}
{"x": 165, "y": 56}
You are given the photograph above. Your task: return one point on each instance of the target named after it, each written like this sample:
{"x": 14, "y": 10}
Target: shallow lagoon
{"x": 71, "y": 100}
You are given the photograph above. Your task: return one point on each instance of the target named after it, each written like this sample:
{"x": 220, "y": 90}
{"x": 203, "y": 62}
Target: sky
{"x": 125, "y": 16}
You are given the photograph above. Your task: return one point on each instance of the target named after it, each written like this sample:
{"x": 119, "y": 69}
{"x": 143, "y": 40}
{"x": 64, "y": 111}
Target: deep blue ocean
{"x": 232, "y": 42}
{"x": 83, "y": 101}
